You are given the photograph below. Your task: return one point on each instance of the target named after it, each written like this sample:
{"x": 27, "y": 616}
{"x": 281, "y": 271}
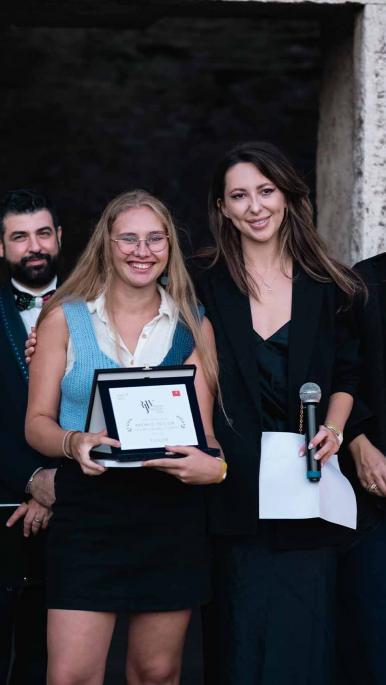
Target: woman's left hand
{"x": 195, "y": 468}
{"x": 327, "y": 443}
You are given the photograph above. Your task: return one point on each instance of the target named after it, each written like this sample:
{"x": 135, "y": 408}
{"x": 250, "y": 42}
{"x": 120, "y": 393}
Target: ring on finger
{"x": 372, "y": 487}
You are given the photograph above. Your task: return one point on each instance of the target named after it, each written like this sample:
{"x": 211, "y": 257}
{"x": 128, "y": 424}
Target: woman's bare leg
{"x": 78, "y": 644}
{"x": 155, "y": 645}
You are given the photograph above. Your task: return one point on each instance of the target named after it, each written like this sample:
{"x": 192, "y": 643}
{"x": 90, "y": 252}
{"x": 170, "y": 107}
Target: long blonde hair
{"x": 93, "y": 273}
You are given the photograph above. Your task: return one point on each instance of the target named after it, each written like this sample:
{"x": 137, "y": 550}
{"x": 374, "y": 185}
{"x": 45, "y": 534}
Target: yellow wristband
{"x": 224, "y": 469}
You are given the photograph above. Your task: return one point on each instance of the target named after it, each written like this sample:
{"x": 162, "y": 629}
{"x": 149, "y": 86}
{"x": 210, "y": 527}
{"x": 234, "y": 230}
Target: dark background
{"x": 89, "y": 112}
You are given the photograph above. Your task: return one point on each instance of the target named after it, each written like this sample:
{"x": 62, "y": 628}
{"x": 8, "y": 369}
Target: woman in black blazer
{"x": 280, "y": 307}
{"x": 362, "y": 581}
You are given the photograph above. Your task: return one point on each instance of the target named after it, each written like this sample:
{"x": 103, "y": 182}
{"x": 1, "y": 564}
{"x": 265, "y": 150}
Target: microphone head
{"x": 310, "y": 392}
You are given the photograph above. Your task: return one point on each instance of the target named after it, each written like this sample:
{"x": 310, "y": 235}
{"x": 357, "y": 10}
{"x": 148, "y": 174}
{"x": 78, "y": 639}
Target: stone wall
{"x": 351, "y": 166}
{"x": 87, "y": 113}
{"x": 156, "y": 96}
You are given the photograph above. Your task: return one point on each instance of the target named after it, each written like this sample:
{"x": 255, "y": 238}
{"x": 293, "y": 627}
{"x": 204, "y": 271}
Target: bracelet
{"x": 66, "y": 443}
{"x": 224, "y": 469}
{"x": 30, "y": 479}
{"x": 337, "y": 433}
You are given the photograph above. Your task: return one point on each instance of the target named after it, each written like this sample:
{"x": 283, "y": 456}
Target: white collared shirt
{"x": 30, "y": 316}
{"x": 153, "y": 344}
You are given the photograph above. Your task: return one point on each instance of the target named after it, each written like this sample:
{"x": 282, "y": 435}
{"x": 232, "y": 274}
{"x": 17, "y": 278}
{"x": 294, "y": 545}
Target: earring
{"x": 164, "y": 280}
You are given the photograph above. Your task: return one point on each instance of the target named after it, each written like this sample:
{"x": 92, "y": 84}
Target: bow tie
{"x": 25, "y": 301}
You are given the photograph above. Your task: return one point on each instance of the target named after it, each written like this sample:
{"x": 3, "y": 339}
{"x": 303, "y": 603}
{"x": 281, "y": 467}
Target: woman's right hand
{"x": 80, "y": 446}
{"x": 30, "y": 345}
{"x": 35, "y": 517}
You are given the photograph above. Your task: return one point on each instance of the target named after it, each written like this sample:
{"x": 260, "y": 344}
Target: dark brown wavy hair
{"x": 297, "y": 234}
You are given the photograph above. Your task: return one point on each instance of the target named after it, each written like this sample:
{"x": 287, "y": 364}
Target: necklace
{"x": 268, "y": 285}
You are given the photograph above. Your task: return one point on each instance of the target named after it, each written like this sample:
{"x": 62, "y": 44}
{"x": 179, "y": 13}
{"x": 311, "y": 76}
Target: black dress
{"x": 273, "y": 609}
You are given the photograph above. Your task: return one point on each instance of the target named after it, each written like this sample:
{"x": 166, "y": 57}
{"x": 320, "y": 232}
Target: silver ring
{"x": 373, "y": 486}
{"x": 36, "y": 520}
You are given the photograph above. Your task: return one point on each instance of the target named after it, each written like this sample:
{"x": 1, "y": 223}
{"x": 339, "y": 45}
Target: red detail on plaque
{"x": 176, "y": 393}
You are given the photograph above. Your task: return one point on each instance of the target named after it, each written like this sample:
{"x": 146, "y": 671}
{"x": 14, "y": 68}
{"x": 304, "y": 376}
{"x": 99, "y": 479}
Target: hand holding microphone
{"x": 320, "y": 444}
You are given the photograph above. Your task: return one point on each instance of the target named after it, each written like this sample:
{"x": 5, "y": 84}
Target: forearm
{"x": 357, "y": 445}
{"x": 45, "y": 435}
{"x": 339, "y": 409}
{"x": 42, "y": 487}
{"x": 18, "y": 461}
{"x": 212, "y": 441}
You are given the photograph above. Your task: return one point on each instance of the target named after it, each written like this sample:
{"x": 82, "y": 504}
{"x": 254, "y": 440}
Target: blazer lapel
{"x": 307, "y": 297}
{"x": 234, "y": 310}
{"x": 13, "y": 327}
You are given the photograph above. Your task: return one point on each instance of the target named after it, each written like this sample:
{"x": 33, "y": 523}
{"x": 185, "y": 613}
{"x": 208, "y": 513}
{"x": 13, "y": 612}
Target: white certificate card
{"x": 286, "y": 493}
{"x": 153, "y": 416}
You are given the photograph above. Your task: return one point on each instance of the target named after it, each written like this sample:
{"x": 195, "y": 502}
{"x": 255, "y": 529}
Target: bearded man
{"x": 30, "y": 240}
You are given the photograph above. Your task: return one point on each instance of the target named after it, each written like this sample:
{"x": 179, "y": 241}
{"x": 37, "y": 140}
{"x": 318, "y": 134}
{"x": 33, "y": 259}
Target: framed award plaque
{"x": 145, "y": 409}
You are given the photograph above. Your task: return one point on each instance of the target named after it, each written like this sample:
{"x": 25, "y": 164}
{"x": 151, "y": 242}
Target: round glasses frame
{"x": 155, "y": 243}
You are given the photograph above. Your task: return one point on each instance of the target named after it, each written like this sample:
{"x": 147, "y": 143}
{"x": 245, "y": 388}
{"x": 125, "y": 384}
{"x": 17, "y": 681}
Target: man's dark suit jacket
{"x": 20, "y": 558}
{"x": 322, "y": 349}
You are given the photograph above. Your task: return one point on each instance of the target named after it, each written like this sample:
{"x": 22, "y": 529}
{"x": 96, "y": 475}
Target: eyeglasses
{"x": 155, "y": 242}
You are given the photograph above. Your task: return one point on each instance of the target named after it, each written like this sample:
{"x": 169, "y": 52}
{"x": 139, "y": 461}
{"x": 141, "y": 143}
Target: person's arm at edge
{"x": 47, "y": 368}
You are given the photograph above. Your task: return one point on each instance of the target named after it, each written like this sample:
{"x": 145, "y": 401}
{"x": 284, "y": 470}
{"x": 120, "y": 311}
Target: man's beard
{"x": 33, "y": 276}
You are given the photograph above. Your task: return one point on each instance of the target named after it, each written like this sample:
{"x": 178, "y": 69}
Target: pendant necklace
{"x": 268, "y": 285}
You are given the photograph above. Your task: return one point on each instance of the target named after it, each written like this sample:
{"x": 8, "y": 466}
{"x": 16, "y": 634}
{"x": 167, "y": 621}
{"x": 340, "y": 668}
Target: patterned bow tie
{"x": 25, "y": 301}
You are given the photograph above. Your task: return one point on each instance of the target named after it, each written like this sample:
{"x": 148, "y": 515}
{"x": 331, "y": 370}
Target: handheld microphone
{"x": 310, "y": 395}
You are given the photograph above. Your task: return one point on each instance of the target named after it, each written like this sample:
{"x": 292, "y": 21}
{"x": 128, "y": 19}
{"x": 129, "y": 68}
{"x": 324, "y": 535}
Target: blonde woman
{"x": 122, "y": 540}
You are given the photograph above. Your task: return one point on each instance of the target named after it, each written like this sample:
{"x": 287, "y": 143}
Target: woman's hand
{"x": 80, "y": 445}
{"x": 326, "y": 441}
{"x": 35, "y": 516}
{"x": 370, "y": 465}
{"x": 30, "y": 345}
{"x": 195, "y": 468}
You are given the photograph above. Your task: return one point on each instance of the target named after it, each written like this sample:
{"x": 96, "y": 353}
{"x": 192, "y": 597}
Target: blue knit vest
{"x": 76, "y": 384}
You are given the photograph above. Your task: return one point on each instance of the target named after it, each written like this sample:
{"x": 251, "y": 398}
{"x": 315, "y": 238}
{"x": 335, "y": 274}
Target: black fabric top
{"x": 383, "y": 308}
{"x": 272, "y": 363}
{"x": 371, "y": 326}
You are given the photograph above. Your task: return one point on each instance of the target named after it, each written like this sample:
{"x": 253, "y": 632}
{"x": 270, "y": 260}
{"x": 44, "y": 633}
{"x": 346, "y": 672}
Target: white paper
{"x": 153, "y": 416}
{"x": 286, "y": 493}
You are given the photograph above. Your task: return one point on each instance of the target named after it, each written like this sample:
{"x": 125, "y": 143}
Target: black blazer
{"x": 369, "y": 411}
{"x": 371, "y": 320}
{"x": 322, "y": 349}
{"x": 18, "y": 459}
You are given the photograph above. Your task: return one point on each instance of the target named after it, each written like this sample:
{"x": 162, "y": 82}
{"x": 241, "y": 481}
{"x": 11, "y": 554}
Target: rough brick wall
{"x": 87, "y": 113}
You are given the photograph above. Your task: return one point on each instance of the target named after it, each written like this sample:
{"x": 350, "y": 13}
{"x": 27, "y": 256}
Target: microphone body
{"x": 310, "y": 395}
{"x": 313, "y": 465}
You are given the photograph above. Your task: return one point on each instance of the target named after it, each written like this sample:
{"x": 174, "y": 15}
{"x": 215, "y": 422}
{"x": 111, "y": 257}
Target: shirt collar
{"x": 167, "y": 306}
{"x": 98, "y": 306}
{"x": 23, "y": 289}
